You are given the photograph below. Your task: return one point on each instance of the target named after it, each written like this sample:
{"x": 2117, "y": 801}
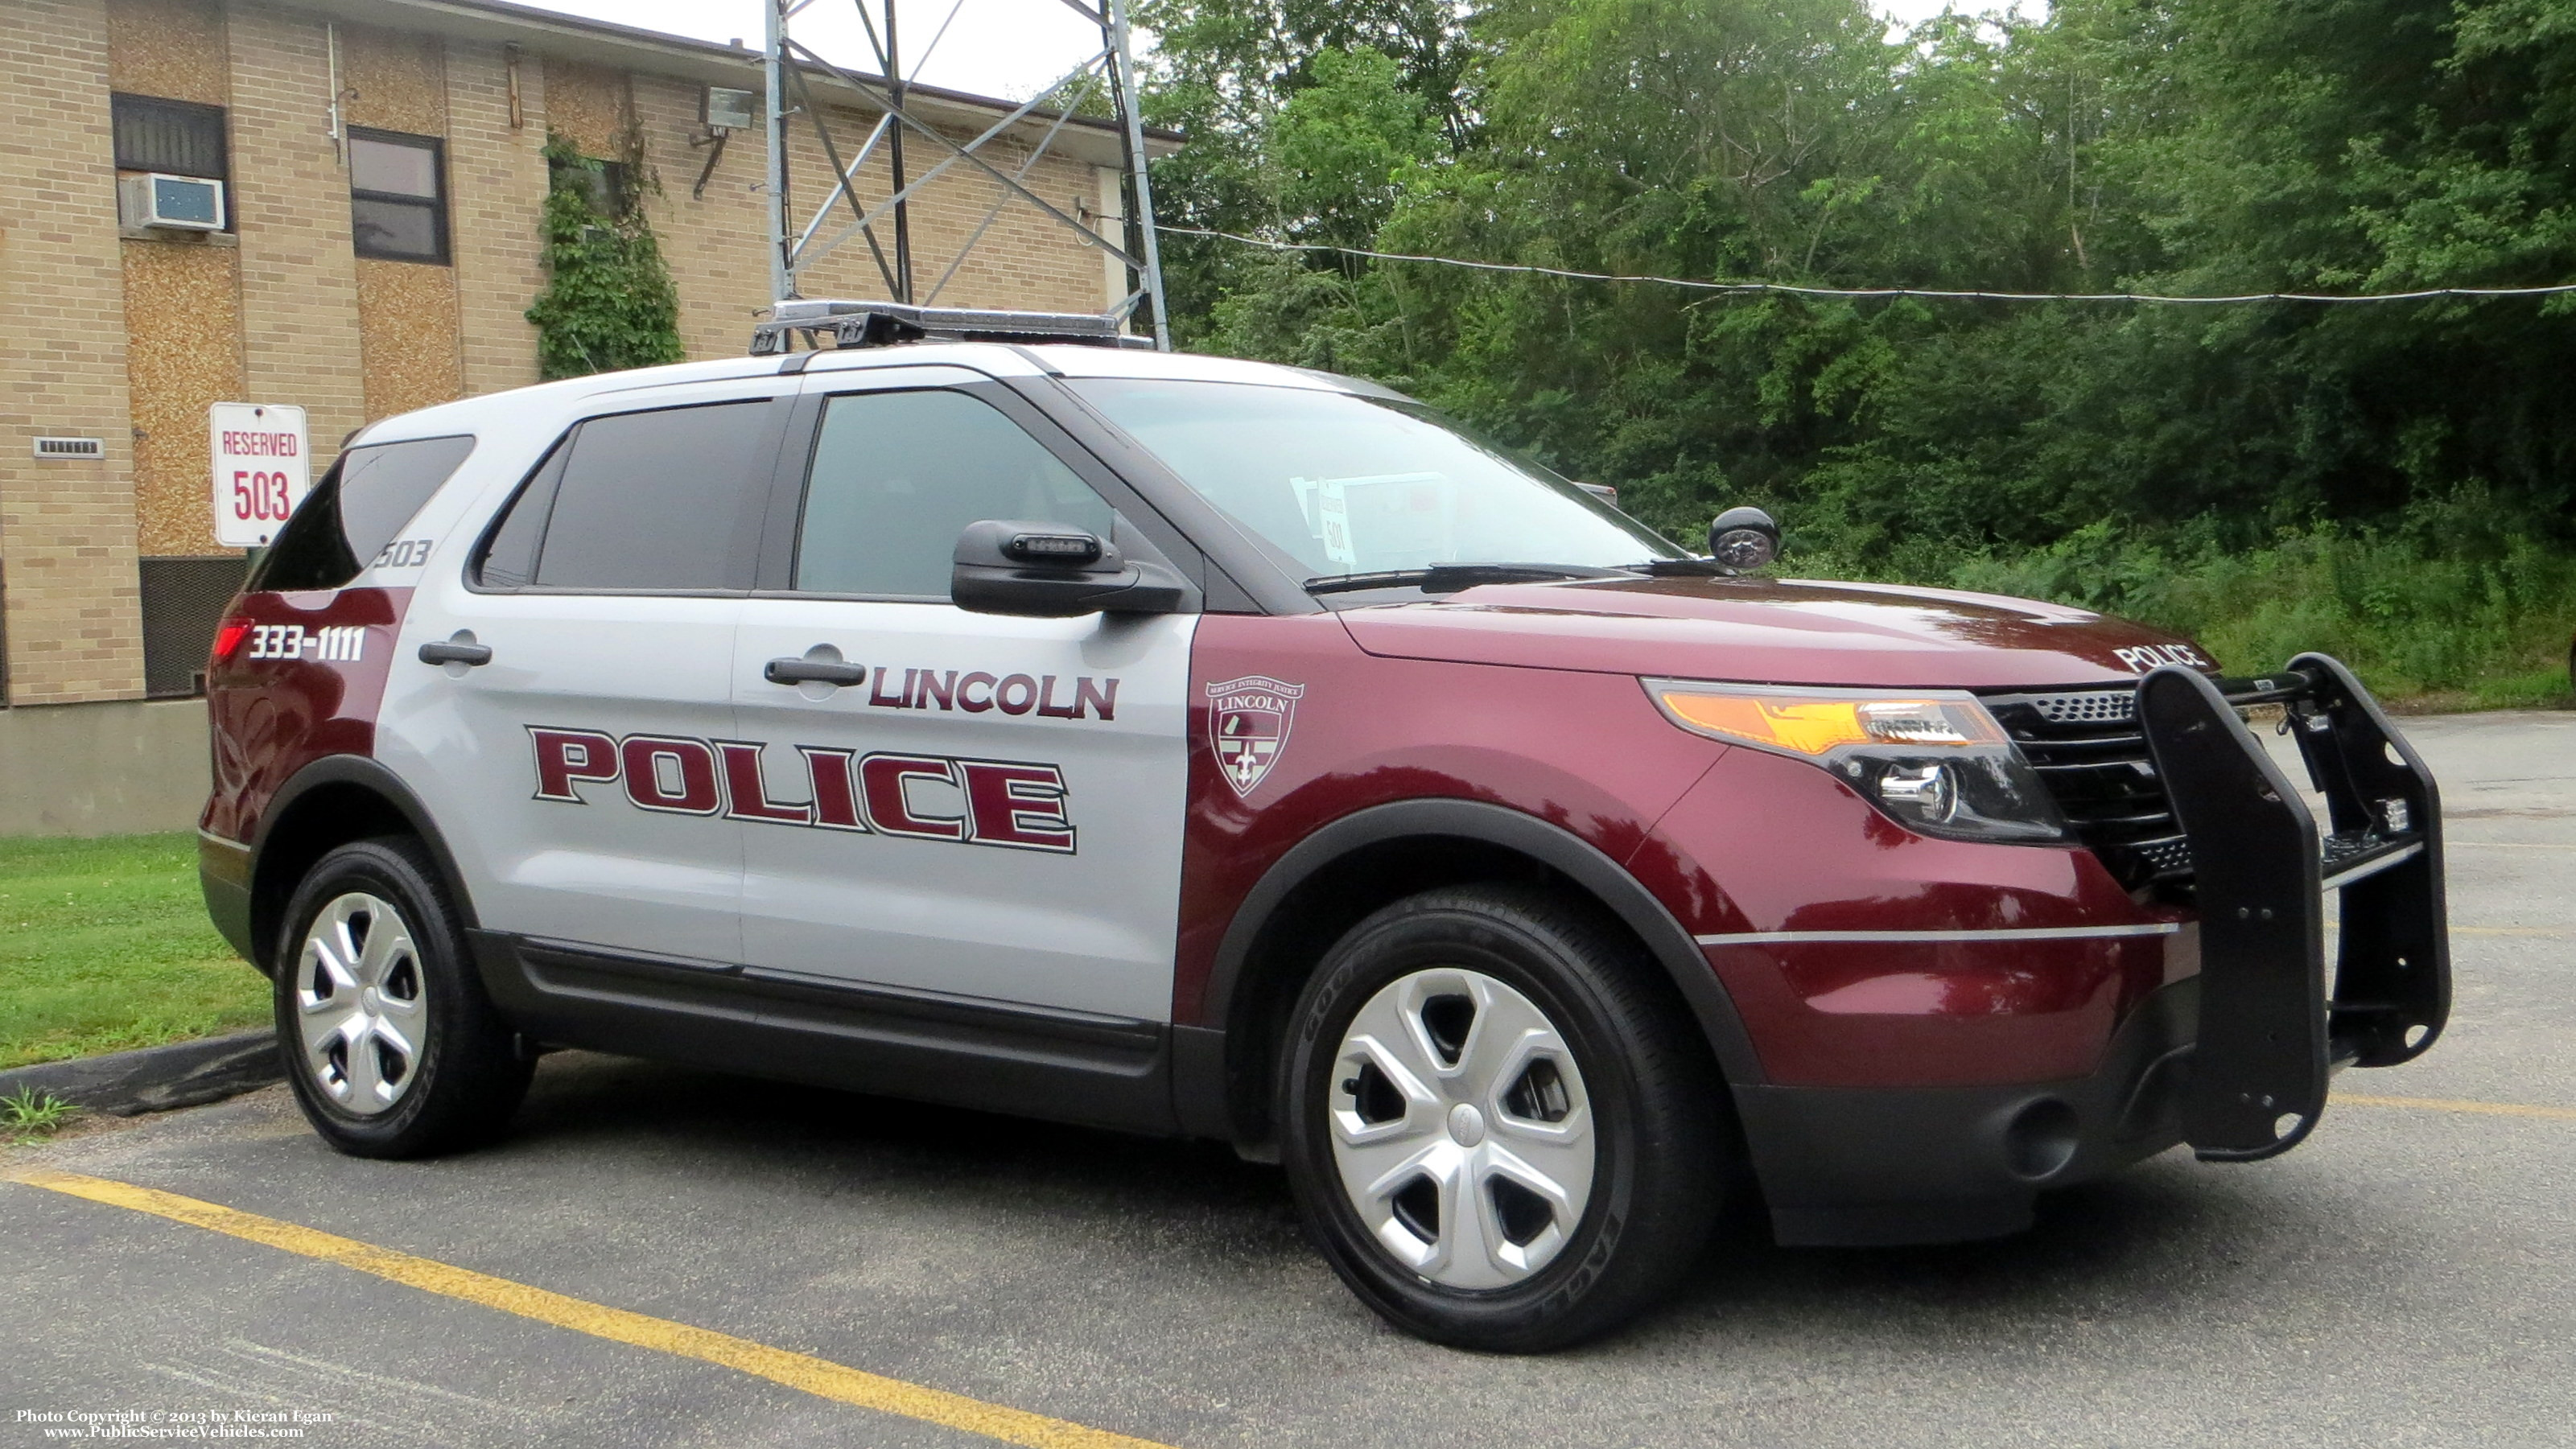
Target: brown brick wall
{"x": 168, "y": 48}
{"x": 497, "y": 181}
{"x": 67, "y": 576}
{"x": 393, "y": 80}
{"x": 588, "y": 105}
{"x": 299, "y": 279}
{"x": 183, "y": 320}
{"x": 182, "y": 293}
{"x": 411, "y": 355}
{"x": 716, "y": 247}
{"x": 128, "y": 340}
{"x": 1024, "y": 259}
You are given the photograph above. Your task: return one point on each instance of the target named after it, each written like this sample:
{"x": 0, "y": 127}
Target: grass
{"x": 104, "y": 945}
{"x": 25, "y": 1114}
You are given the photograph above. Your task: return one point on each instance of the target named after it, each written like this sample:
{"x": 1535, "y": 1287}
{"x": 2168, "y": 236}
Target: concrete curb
{"x": 156, "y": 1079}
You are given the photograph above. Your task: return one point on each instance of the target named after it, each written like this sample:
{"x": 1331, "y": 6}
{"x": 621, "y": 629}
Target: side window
{"x": 663, "y": 501}
{"x": 356, "y": 510}
{"x": 898, "y": 475}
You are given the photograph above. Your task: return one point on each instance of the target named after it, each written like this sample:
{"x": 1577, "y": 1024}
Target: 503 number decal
{"x": 402, "y": 553}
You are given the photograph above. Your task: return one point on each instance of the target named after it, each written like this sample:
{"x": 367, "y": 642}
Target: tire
{"x": 391, "y": 1045}
{"x": 1484, "y": 1036}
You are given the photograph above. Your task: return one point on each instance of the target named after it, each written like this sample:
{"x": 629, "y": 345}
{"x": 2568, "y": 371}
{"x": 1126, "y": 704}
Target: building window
{"x": 607, "y": 185}
{"x": 398, "y": 196}
{"x": 177, "y": 138}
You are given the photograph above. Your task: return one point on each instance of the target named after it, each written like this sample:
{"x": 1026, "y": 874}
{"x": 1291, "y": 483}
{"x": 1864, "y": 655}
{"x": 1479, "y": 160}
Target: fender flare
{"x": 375, "y": 779}
{"x": 1551, "y": 845}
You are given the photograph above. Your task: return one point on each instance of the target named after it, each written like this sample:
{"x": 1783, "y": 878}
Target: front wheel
{"x": 391, "y": 1045}
{"x": 1503, "y": 1133}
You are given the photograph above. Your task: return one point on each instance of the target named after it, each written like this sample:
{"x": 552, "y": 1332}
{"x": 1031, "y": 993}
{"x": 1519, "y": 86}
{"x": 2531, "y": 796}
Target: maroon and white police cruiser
{"x": 985, "y": 712}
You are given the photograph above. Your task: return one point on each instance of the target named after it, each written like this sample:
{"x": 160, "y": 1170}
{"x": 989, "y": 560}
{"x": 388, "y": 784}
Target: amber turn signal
{"x": 1818, "y": 724}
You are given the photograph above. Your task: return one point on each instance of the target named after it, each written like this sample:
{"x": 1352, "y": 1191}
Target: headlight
{"x": 1935, "y": 761}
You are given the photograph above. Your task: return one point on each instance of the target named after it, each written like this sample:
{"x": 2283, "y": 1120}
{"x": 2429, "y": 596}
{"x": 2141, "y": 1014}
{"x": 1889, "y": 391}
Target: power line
{"x": 1797, "y": 289}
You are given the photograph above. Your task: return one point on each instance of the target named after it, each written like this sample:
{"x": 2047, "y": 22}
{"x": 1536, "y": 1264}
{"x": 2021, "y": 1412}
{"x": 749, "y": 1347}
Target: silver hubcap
{"x": 1460, "y": 1128}
{"x": 359, "y": 1007}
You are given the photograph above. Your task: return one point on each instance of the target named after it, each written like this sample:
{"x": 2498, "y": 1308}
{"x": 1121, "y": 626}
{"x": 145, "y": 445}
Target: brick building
{"x": 357, "y": 292}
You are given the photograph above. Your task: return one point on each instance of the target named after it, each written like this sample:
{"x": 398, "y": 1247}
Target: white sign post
{"x": 263, "y": 464}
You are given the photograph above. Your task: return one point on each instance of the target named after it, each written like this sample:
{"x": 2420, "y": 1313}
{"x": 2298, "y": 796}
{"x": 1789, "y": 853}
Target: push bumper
{"x": 2235, "y": 1060}
{"x": 2270, "y": 1033}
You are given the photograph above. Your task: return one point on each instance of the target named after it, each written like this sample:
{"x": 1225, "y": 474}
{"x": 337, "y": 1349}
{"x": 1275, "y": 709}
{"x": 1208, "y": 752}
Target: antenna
{"x": 792, "y": 71}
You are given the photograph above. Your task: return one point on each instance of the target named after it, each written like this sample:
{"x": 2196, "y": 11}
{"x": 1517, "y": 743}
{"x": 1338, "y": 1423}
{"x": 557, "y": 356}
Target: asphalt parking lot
{"x": 2407, "y": 1277}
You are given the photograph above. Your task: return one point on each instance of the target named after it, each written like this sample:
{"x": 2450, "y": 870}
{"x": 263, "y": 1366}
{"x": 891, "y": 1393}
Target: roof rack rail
{"x": 882, "y": 324}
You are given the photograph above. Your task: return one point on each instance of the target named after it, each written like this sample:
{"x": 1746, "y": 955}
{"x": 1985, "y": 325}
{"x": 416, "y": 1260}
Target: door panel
{"x": 596, "y": 853}
{"x": 575, "y": 773}
{"x": 995, "y": 814}
{"x": 987, "y": 808}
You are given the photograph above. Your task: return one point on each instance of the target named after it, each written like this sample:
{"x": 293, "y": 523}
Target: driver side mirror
{"x": 1053, "y": 571}
{"x": 1743, "y": 538}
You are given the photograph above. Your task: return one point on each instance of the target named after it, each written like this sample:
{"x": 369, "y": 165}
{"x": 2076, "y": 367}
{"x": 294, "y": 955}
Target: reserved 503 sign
{"x": 262, "y": 467}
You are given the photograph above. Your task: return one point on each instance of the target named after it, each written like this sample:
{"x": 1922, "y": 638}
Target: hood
{"x": 1772, "y": 631}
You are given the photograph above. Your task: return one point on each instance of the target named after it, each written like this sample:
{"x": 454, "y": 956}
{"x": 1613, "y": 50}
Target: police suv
{"x": 981, "y": 711}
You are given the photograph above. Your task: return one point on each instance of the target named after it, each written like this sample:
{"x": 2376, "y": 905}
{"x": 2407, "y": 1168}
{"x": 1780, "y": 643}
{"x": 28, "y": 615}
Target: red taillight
{"x": 228, "y": 637}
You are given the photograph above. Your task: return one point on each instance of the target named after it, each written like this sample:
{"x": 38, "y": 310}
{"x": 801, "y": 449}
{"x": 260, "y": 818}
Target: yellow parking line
{"x": 816, "y": 1376}
{"x": 2440, "y": 1104}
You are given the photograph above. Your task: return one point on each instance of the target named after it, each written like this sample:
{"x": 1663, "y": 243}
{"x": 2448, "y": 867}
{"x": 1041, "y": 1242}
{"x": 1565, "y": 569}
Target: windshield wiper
{"x": 1450, "y": 578}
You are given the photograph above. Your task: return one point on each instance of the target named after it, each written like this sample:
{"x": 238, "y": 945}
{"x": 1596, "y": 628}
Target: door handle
{"x": 459, "y": 650}
{"x": 795, "y": 670}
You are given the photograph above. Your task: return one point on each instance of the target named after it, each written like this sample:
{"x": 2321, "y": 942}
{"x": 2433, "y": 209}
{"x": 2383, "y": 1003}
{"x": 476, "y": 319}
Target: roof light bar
{"x": 883, "y": 324}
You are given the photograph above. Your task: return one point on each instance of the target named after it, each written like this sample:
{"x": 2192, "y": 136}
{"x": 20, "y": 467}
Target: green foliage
{"x": 2483, "y": 621}
{"x": 2274, "y": 452}
{"x": 609, "y": 302}
{"x": 26, "y": 1113}
{"x": 104, "y": 945}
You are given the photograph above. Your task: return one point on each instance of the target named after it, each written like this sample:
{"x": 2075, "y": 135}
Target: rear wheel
{"x": 1498, "y": 1128}
{"x": 391, "y": 1045}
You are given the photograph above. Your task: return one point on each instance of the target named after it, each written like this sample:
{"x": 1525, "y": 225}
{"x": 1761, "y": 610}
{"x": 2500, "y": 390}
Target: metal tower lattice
{"x": 789, "y": 64}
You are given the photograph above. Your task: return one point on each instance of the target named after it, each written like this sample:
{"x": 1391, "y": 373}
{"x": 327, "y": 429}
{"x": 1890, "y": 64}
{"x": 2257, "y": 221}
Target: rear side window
{"x": 663, "y": 501}
{"x": 356, "y": 510}
{"x": 898, "y": 475}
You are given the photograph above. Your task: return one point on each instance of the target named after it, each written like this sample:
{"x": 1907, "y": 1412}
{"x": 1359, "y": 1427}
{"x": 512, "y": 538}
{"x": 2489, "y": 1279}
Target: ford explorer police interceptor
{"x": 983, "y": 712}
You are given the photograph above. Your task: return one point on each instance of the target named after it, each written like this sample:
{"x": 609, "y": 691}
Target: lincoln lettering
{"x": 1012, "y": 804}
{"x": 976, "y": 691}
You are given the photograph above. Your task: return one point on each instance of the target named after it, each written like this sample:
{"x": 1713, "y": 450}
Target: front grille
{"x": 2086, "y": 747}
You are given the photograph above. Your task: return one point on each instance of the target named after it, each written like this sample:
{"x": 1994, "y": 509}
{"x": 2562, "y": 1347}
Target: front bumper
{"x": 2234, "y": 1060}
{"x": 1873, "y": 1166}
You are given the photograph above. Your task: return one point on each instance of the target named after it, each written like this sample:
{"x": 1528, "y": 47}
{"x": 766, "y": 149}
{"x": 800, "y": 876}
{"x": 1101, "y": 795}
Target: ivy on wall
{"x": 608, "y": 302}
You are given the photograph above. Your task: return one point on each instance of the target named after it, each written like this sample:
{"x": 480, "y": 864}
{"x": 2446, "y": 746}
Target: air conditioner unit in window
{"x": 189, "y": 203}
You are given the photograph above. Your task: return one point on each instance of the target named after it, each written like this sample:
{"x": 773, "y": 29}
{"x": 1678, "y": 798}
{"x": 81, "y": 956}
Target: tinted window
{"x": 356, "y": 510}
{"x": 898, "y": 475}
{"x": 509, "y": 558}
{"x": 660, "y": 500}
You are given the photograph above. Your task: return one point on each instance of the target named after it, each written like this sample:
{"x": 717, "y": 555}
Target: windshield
{"x": 1345, "y": 485}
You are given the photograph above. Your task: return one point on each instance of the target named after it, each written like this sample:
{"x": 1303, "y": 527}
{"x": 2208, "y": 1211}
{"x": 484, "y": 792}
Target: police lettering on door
{"x": 1013, "y": 804}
